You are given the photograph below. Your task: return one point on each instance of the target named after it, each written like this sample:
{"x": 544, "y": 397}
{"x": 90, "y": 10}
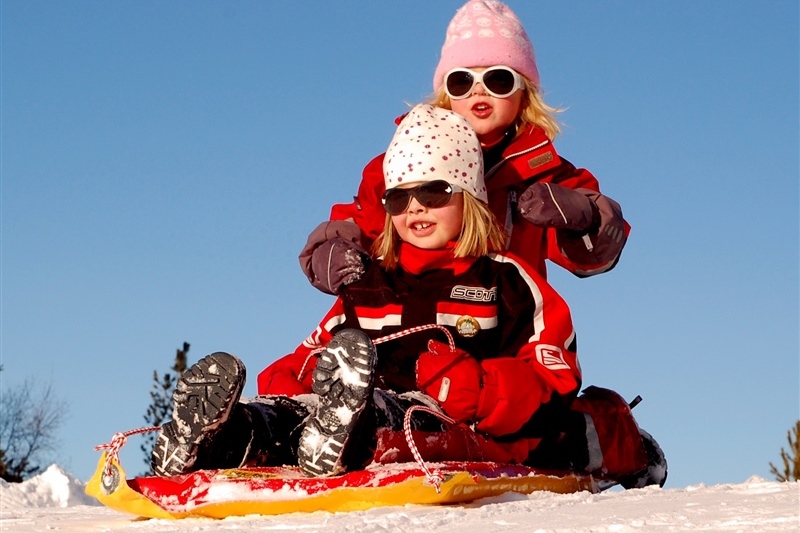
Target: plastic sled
{"x": 278, "y": 490}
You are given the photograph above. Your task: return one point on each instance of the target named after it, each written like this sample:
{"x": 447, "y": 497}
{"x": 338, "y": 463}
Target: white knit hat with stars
{"x": 432, "y": 143}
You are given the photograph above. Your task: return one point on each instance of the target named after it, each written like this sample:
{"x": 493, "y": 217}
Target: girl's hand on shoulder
{"x": 553, "y": 206}
{"x": 338, "y": 262}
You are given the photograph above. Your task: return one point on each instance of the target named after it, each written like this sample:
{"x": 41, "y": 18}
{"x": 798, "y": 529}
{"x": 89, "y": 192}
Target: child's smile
{"x": 422, "y": 229}
{"x": 430, "y": 227}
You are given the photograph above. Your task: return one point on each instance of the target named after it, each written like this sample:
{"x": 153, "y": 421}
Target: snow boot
{"x": 344, "y": 381}
{"x": 203, "y": 400}
{"x": 656, "y": 471}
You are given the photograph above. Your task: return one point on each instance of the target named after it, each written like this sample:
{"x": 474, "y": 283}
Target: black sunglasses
{"x": 430, "y": 194}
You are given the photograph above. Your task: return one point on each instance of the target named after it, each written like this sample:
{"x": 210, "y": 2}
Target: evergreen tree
{"x": 790, "y": 458}
{"x": 161, "y": 400}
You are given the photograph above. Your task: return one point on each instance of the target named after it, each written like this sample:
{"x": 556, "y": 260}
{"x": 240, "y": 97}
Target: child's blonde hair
{"x": 481, "y": 233}
{"x": 533, "y": 110}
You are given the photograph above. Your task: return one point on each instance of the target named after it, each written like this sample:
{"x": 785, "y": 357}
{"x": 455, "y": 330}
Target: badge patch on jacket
{"x": 467, "y": 326}
{"x": 468, "y": 318}
{"x": 540, "y": 160}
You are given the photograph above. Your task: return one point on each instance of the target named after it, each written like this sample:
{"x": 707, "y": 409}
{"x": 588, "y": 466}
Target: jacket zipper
{"x": 510, "y": 210}
{"x": 511, "y": 207}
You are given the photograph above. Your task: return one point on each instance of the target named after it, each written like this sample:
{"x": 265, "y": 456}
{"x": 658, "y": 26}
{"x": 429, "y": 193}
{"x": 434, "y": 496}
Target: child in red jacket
{"x": 502, "y": 387}
{"x": 514, "y": 341}
{"x": 549, "y": 208}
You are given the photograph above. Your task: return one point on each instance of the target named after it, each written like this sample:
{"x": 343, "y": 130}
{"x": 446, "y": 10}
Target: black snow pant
{"x": 265, "y": 430}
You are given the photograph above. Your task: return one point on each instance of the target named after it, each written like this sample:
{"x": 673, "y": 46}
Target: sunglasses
{"x": 499, "y": 81}
{"x": 431, "y": 194}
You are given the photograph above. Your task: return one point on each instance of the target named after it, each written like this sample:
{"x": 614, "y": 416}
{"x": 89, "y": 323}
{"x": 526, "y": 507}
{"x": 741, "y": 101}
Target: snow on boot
{"x": 344, "y": 381}
{"x": 656, "y": 471}
{"x": 203, "y": 400}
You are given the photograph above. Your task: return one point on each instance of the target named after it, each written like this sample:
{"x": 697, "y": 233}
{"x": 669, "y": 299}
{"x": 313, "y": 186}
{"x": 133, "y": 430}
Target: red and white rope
{"x": 434, "y": 478}
{"x": 386, "y": 338}
{"x": 417, "y": 329}
{"x": 310, "y": 355}
{"x": 117, "y": 442}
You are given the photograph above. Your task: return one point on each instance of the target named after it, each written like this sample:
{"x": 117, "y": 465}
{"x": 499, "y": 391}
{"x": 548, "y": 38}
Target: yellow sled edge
{"x": 459, "y": 487}
{"x": 121, "y": 497}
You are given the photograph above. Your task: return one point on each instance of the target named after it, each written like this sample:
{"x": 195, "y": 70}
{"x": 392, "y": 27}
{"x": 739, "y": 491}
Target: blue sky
{"x": 163, "y": 163}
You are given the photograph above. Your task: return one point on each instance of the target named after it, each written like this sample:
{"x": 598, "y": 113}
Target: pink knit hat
{"x": 432, "y": 143}
{"x": 484, "y": 33}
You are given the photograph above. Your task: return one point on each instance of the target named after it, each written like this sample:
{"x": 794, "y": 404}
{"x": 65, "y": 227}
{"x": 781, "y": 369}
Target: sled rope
{"x": 386, "y": 338}
{"x": 434, "y": 478}
{"x": 117, "y": 442}
{"x": 417, "y": 329}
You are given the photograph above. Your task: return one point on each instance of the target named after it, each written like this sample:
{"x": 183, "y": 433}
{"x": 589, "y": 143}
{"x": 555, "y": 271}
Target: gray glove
{"x": 337, "y": 262}
{"x": 553, "y": 206}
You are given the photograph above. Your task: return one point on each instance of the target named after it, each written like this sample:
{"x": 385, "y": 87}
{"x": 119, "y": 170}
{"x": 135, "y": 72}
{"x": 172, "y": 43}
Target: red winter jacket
{"x": 525, "y": 342}
{"x": 530, "y": 157}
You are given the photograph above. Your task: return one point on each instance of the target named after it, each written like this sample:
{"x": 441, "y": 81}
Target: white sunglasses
{"x": 499, "y": 81}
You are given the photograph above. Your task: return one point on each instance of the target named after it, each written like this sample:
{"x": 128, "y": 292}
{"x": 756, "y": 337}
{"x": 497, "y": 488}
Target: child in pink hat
{"x": 550, "y": 209}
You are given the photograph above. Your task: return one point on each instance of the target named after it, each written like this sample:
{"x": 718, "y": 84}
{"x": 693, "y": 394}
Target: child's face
{"x": 430, "y": 227}
{"x": 490, "y": 117}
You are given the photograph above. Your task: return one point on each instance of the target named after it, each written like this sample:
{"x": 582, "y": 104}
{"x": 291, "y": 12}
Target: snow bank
{"x": 51, "y": 488}
{"x": 54, "y": 500}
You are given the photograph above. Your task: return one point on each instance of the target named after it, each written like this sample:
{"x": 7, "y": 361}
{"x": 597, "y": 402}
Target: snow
{"x": 55, "y": 501}
{"x": 229, "y": 492}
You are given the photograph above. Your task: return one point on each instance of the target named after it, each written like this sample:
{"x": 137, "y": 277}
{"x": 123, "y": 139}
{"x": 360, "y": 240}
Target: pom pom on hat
{"x": 485, "y": 33}
{"x": 432, "y": 143}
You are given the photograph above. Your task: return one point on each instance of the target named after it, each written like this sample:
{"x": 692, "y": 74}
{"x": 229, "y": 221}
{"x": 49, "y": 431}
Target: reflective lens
{"x": 499, "y": 82}
{"x": 431, "y": 194}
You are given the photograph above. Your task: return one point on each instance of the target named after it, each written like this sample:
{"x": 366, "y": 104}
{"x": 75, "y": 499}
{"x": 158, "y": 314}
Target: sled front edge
{"x": 458, "y": 486}
{"x": 113, "y": 492}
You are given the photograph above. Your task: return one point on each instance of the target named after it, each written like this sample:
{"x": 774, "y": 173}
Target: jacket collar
{"x": 529, "y": 153}
{"x": 418, "y": 260}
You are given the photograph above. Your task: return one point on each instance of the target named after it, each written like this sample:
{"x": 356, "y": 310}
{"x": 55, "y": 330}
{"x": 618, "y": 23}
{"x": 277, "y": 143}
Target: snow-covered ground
{"x": 55, "y": 501}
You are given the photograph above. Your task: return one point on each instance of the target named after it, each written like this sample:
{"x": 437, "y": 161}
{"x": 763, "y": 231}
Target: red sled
{"x": 393, "y": 478}
{"x": 279, "y": 490}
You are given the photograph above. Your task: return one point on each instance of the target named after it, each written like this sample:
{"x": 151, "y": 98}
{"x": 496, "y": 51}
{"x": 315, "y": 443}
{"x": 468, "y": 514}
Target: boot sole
{"x": 172, "y": 457}
{"x": 343, "y": 379}
{"x": 657, "y": 468}
{"x": 203, "y": 400}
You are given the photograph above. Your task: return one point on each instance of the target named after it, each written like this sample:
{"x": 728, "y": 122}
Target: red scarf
{"x": 418, "y": 260}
